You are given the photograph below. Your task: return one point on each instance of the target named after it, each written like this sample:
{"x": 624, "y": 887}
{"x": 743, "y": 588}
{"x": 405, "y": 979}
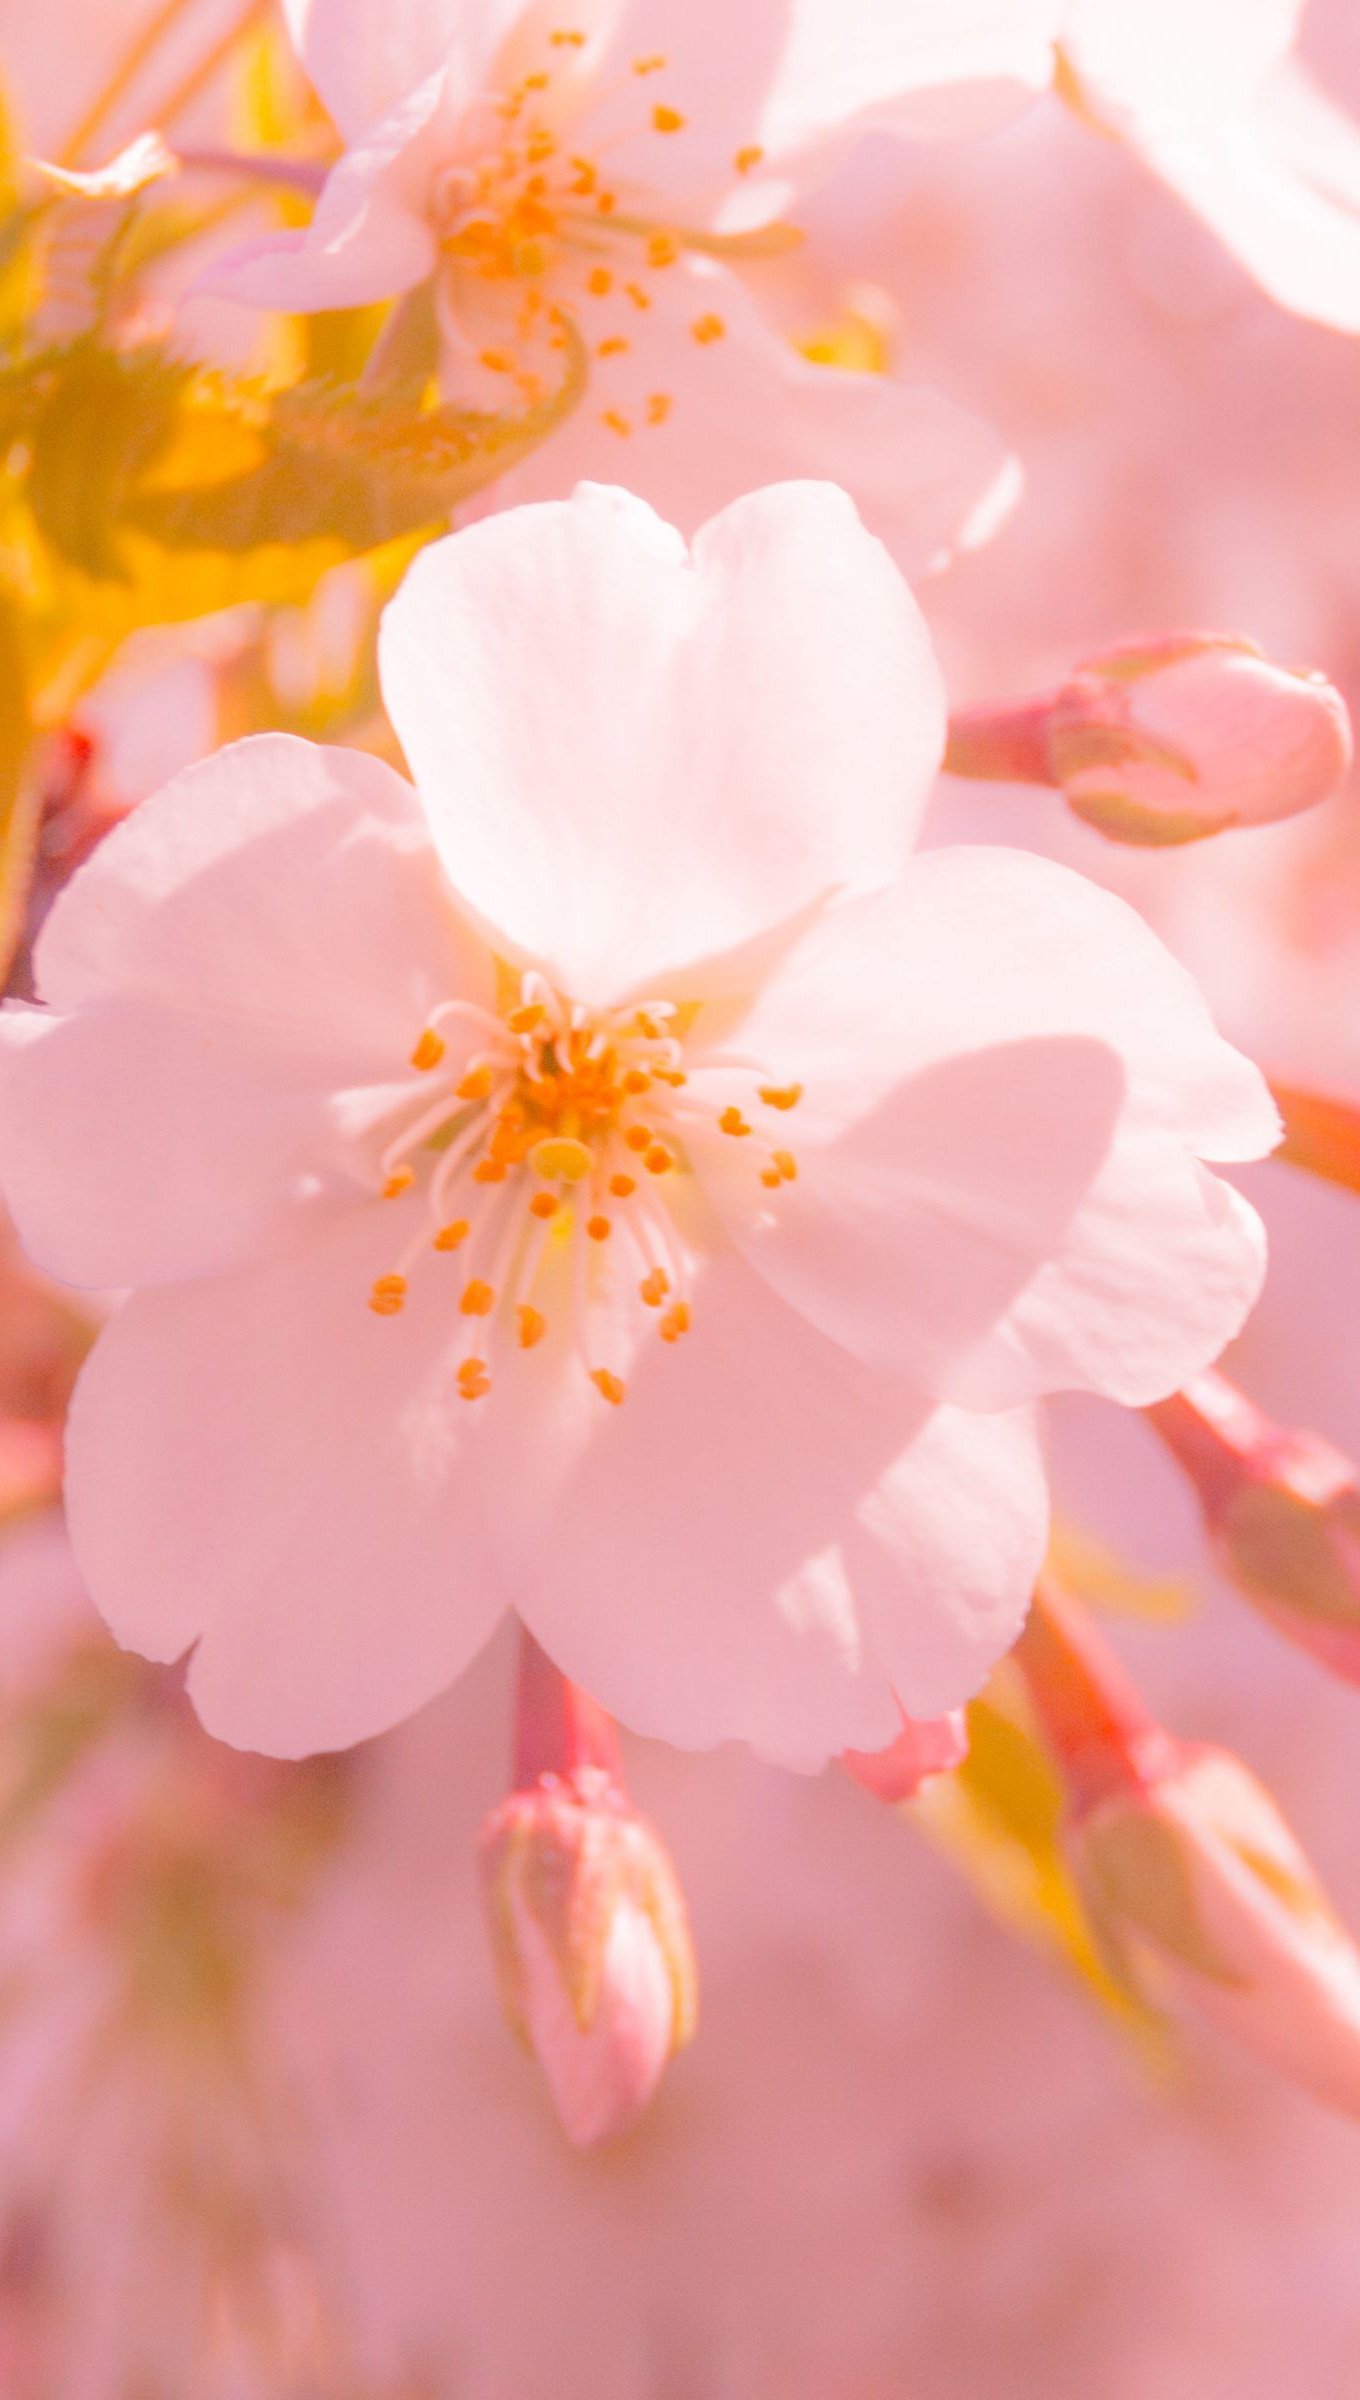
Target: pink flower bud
{"x": 1197, "y": 1879}
{"x": 924, "y": 1747}
{"x": 1283, "y": 1509}
{"x": 1187, "y": 734}
{"x": 592, "y": 1945}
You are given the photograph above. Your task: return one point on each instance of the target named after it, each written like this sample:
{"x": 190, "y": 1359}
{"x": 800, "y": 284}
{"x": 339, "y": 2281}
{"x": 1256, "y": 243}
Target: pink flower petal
{"x": 768, "y": 1542}
{"x": 701, "y": 748}
{"x": 744, "y": 408}
{"x": 214, "y": 1012}
{"x": 369, "y": 237}
{"x": 262, "y": 1462}
{"x": 366, "y": 59}
{"x": 1003, "y": 1196}
{"x": 1280, "y": 186}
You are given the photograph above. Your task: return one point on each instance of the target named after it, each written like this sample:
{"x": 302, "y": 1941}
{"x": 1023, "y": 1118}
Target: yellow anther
{"x": 750, "y": 155}
{"x": 473, "y": 1380}
{"x": 611, "y": 1386}
{"x": 732, "y": 1121}
{"x": 662, "y": 250}
{"x": 398, "y": 1183}
{"x": 476, "y": 1085}
{"x": 428, "y": 1051}
{"x": 490, "y": 1170}
{"x": 605, "y": 203}
{"x": 539, "y": 146}
{"x": 658, "y": 1160}
{"x": 648, "y": 66}
{"x": 528, "y": 258}
{"x": 496, "y": 362}
{"x": 450, "y": 1236}
{"x": 787, "y": 1165}
{"x": 675, "y": 1322}
{"x": 637, "y": 1080}
{"x": 582, "y": 189}
{"x": 636, "y": 294}
{"x": 388, "y": 1296}
{"x": 655, "y": 1286}
{"x": 558, "y": 1156}
{"x": 544, "y": 1205}
{"x": 674, "y": 1076}
{"x": 659, "y": 406}
{"x": 771, "y": 1178}
{"x": 622, "y": 1186}
{"x": 599, "y": 1228}
{"x": 567, "y": 38}
{"x": 616, "y": 421}
{"x": 667, "y": 120}
{"x": 614, "y": 347}
{"x": 708, "y": 329}
{"x": 600, "y": 282}
{"x": 537, "y": 82}
{"x": 478, "y": 1299}
{"x": 781, "y": 1095}
{"x": 532, "y": 1326}
{"x": 638, "y": 1137}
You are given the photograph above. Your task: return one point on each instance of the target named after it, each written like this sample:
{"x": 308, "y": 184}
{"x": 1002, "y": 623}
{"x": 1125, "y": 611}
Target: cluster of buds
{"x": 1168, "y": 739}
{"x": 1283, "y": 1510}
{"x": 1195, "y": 1884}
{"x": 587, "y": 1919}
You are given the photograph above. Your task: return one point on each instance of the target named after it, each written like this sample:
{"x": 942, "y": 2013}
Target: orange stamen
{"x": 675, "y": 1322}
{"x": 388, "y": 1296}
{"x": 543, "y": 1204}
{"x": 654, "y": 1287}
{"x": 398, "y": 1183}
{"x": 612, "y": 1386}
{"x": 599, "y": 1228}
{"x": 449, "y": 1236}
{"x": 667, "y": 120}
{"x": 732, "y": 1121}
{"x": 478, "y": 1299}
{"x": 476, "y": 1085}
{"x": 781, "y": 1095}
{"x": 532, "y": 1327}
{"x": 473, "y": 1380}
{"x": 428, "y": 1051}
{"x": 708, "y": 329}
{"x": 622, "y": 1186}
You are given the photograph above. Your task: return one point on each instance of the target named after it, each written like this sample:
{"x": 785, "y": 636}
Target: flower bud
{"x": 592, "y": 1945}
{"x": 1187, "y": 734}
{"x": 1283, "y": 1509}
{"x": 1197, "y": 1878}
{"x": 924, "y": 1747}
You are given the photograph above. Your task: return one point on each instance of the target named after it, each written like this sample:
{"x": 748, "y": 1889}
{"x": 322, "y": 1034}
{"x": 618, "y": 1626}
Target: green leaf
{"x": 352, "y": 466}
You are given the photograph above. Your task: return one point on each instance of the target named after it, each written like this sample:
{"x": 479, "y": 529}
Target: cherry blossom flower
{"x": 613, "y": 1179}
{"x": 1212, "y": 98}
{"x": 624, "y": 172}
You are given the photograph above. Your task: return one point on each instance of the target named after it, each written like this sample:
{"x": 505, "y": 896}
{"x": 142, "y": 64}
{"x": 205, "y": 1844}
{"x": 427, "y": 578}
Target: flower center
{"x": 549, "y": 1147}
{"x": 536, "y": 233}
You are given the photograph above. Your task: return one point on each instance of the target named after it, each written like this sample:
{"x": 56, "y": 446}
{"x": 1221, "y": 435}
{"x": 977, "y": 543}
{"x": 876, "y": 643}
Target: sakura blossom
{"x": 620, "y": 180}
{"x": 608, "y": 1164}
{"x": 630, "y": 1277}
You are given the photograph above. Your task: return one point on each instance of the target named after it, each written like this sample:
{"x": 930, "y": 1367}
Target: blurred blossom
{"x": 622, "y": 184}
{"x": 1211, "y": 96}
{"x": 1000, "y": 1087}
{"x": 159, "y": 2216}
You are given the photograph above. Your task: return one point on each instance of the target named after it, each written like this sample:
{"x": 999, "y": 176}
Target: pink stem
{"x": 1002, "y": 741}
{"x": 1321, "y": 1133}
{"x": 558, "y": 1727}
{"x": 1103, "y": 1735}
{"x": 1214, "y": 1432}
